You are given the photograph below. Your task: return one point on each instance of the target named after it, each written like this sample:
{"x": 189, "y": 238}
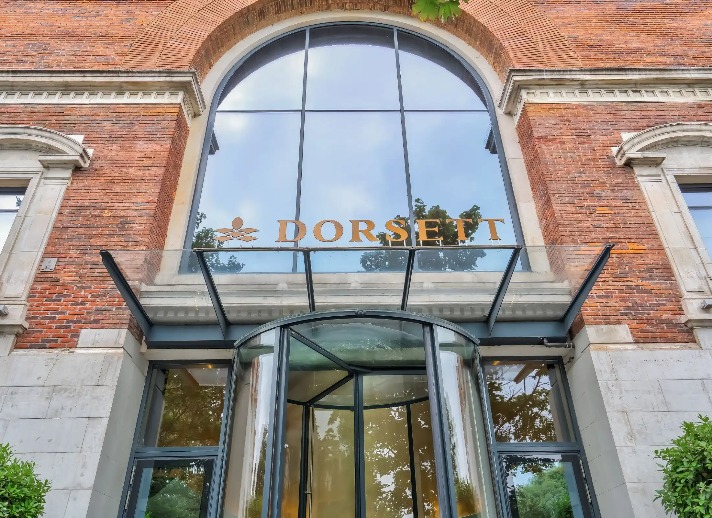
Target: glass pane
{"x": 703, "y": 221}
{"x": 398, "y": 447}
{"x": 352, "y": 68}
{"x": 449, "y": 85}
{"x": 11, "y": 200}
{"x": 697, "y": 197}
{"x": 253, "y": 409}
{"x": 171, "y": 489}
{"x": 353, "y": 170}
{"x": 311, "y": 377}
{"x": 331, "y": 484}
{"x": 292, "y": 460}
{"x": 465, "y": 182}
{"x": 528, "y": 403}
{"x": 466, "y": 429}
{"x": 259, "y": 285}
{"x": 186, "y": 407}
{"x": 425, "y": 475}
{"x": 369, "y": 342}
{"x": 270, "y": 79}
{"x": 465, "y": 279}
{"x": 343, "y": 277}
{"x": 310, "y": 373}
{"x": 256, "y": 150}
{"x": 545, "y": 486}
{"x": 6, "y": 220}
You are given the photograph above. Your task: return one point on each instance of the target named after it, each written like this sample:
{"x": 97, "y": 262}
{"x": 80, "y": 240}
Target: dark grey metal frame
{"x": 487, "y": 100}
{"x": 274, "y": 471}
{"x": 217, "y": 454}
{"x": 225, "y": 334}
{"x": 497, "y": 450}
{"x": 275, "y": 454}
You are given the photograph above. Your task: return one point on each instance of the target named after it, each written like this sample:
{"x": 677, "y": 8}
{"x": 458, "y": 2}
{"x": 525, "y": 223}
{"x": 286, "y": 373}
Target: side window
{"x": 534, "y": 439}
{"x": 699, "y": 202}
{"x": 178, "y": 442}
{"x": 10, "y": 202}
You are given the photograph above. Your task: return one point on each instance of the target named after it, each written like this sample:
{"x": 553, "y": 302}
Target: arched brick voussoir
{"x": 196, "y": 33}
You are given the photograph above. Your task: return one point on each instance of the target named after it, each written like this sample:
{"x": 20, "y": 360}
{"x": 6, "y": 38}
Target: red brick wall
{"x": 127, "y": 34}
{"x": 122, "y": 201}
{"x": 583, "y": 197}
{"x": 77, "y": 34}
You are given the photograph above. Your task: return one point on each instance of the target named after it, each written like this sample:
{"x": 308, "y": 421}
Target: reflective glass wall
{"x": 340, "y": 126}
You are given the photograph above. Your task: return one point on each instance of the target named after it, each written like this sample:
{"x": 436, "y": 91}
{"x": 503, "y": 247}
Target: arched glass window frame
{"x": 209, "y": 140}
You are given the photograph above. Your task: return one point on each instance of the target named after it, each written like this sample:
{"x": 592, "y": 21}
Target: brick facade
{"x": 638, "y": 359}
{"x": 123, "y": 201}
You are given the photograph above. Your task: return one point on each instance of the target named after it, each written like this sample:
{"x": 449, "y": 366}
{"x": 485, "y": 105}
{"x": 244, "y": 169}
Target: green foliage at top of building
{"x": 437, "y": 10}
{"x": 22, "y": 492}
{"x": 687, "y": 472}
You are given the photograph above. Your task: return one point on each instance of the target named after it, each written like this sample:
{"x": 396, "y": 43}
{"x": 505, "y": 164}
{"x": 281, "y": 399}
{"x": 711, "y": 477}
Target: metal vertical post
{"x": 359, "y": 453}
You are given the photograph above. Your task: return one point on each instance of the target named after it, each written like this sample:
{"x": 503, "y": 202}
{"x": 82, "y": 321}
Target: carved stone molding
{"x": 103, "y": 87}
{"x": 605, "y": 85}
{"x": 57, "y": 149}
{"x": 642, "y": 148}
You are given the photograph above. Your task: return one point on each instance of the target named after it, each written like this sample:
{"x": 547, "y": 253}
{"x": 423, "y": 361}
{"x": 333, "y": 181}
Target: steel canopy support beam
{"x": 310, "y": 280}
{"x": 319, "y": 349}
{"x": 586, "y": 287}
{"x": 408, "y": 277}
{"x": 132, "y": 302}
{"x": 213, "y": 292}
{"x": 502, "y": 289}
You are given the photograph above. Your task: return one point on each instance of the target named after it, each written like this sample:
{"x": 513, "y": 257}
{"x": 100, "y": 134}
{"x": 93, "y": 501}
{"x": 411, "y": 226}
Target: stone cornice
{"x": 605, "y": 85}
{"x": 103, "y": 87}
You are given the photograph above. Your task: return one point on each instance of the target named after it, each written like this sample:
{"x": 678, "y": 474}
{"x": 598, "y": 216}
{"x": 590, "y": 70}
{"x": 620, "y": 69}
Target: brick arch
{"x": 196, "y": 33}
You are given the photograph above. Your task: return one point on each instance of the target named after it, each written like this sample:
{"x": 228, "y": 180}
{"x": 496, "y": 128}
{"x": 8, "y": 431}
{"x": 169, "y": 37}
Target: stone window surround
{"x": 41, "y": 160}
{"x": 663, "y": 157}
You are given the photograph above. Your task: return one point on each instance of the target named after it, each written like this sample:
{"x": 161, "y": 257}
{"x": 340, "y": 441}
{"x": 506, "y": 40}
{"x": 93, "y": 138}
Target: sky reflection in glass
{"x": 352, "y": 68}
{"x": 450, "y": 167}
{"x": 353, "y": 168}
{"x": 338, "y": 153}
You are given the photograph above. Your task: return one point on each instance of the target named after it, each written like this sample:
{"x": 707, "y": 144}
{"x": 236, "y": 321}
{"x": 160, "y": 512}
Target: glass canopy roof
{"x": 212, "y": 297}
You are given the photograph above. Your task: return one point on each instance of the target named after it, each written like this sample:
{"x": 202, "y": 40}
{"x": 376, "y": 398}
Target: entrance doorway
{"x": 391, "y": 412}
{"x": 371, "y": 418}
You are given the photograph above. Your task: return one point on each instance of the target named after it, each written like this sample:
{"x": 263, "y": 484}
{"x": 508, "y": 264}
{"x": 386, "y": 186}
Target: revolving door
{"x": 357, "y": 417}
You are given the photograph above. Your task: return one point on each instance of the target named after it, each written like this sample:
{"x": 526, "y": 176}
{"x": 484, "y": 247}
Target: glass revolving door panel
{"x": 396, "y": 445}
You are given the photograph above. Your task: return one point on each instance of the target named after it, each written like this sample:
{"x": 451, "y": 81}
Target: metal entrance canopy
{"x": 214, "y": 297}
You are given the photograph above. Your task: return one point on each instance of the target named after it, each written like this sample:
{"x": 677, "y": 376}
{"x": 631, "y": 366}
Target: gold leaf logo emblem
{"x": 236, "y": 232}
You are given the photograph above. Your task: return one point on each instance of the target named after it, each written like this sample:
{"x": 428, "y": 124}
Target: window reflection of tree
{"x": 176, "y": 492}
{"x": 521, "y": 409}
{"x": 438, "y": 261}
{"x": 192, "y": 414}
{"x": 544, "y": 495}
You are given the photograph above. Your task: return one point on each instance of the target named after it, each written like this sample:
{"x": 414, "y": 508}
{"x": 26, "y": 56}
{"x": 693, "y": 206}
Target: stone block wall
{"x": 631, "y": 400}
{"x": 73, "y": 413}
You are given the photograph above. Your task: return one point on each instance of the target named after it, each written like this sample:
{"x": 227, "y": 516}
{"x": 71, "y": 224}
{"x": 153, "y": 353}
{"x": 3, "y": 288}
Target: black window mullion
{"x": 441, "y": 436}
{"x": 495, "y": 464}
{"x": 273, "y": 481}
{"x": 300, "y": 160}
{"x": 406, "y": 161}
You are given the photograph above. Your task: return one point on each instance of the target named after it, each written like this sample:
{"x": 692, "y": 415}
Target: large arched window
{"x": 352, "y": 122}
